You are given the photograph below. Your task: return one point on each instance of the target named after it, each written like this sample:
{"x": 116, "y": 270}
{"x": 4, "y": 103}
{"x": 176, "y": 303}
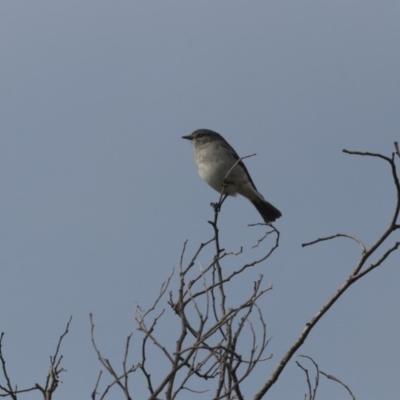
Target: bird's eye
{"x": 200, "y": 134}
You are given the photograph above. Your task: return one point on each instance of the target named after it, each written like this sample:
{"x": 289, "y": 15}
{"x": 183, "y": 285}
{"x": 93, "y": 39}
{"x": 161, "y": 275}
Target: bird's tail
{"x": 267, "y": 210}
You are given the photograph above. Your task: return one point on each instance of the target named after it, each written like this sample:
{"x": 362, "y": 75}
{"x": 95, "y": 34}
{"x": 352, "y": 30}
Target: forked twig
{"x": 52, "y": 379}
{"x": 312, "y": 389}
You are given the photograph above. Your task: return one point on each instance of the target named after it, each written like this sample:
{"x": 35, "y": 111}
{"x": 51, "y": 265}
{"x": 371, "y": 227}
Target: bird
{"x": 219, "y": 165}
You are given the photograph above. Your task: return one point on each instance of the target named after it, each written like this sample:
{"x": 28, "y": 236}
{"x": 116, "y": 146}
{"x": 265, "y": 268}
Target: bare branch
{"x": 363, "y": 249}
{"x": 120, "y": 381}
{"x": 266, "y": 234}
{"x": 9, "y": 389}
{"x": 236, "y": 163}
{"x": 355, "y": 275}
{"x": 366, "y": 153}
{"x": 380, "y": 261}
{"x": 54, "y": 358}
{"x": 312, "y": 392}
{"x": 340, "y": 382}
{"x": 52, "y": 379}
{"x": 396, "y": 146}
{"x": 94, "y": 393}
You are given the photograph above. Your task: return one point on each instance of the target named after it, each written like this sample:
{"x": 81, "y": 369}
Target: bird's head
{"x": 202, "y": 137}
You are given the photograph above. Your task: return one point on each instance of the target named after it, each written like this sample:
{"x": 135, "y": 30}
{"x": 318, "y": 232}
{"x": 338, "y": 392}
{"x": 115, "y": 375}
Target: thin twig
{"x": 94, "y": 393}
{"x": 363, "y": 249}
{"x": 340, "y": 382}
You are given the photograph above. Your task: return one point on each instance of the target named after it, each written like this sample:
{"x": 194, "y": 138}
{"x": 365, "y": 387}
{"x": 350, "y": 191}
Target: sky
{"x": 99, "y": 191}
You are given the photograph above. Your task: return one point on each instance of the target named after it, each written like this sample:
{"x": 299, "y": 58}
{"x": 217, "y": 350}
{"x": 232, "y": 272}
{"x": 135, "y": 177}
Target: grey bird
{"x": 215, "y": 158}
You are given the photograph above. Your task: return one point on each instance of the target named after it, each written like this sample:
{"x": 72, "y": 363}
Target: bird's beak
{"x": 188, "y": 137}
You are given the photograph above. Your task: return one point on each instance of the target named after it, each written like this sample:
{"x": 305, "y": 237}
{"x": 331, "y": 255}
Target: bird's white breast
{"x": 213, "y": 170}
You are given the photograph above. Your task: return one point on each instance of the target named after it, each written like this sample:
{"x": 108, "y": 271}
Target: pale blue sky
{"x": 99, "y": 191}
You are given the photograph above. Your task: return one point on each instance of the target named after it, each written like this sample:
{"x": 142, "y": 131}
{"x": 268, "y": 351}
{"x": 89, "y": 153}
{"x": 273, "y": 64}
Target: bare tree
{"x": 211, "y": 344}
{"x": 219, "y": 337}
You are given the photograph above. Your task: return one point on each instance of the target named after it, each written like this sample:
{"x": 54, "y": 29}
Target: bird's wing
{"x": 236, "y": 157}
